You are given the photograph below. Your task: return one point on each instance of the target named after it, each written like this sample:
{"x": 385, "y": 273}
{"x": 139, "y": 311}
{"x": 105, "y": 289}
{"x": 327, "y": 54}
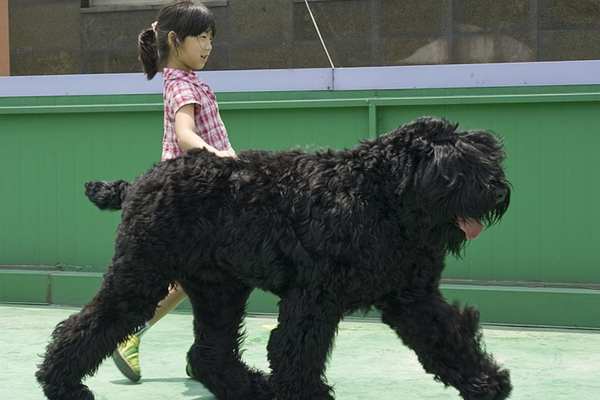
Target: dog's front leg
{"x": 299, "y": 347}
{"x": 446, "y": 340}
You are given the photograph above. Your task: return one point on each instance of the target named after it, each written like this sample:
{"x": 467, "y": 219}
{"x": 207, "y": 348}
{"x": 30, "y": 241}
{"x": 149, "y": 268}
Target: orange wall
{"x": 4, "y": 41}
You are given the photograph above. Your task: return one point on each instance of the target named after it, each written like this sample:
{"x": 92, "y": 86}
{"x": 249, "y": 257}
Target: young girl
{"x": 179, "y": 42}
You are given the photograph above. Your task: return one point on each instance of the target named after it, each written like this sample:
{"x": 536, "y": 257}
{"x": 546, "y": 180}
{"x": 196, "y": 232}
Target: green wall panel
{"x": 30, "y": 287}
{"x": 303, "y": 128}
{"x": 51, "y": 146}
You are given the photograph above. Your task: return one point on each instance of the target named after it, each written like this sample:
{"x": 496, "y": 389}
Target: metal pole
{"x": 319, "y": 33}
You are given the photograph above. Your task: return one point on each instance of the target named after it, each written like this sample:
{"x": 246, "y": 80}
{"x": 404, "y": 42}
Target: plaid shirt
{"x": 181, "y": 88}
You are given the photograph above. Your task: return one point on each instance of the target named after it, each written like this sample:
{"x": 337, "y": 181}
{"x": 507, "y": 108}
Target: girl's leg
{"x": 126, "y": 356}
{"x": 174, "y": 298}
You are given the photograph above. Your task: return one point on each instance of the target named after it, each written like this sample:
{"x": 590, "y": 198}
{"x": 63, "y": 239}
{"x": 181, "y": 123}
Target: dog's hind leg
{"x": 215, "y": 357}
{"x": 299, "y": 347}
{"x": 447, "y": 340}
{"x": 125, "y": 301}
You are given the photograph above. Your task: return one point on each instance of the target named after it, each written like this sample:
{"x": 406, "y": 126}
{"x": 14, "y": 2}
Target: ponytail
{"x": 148, "y": 52}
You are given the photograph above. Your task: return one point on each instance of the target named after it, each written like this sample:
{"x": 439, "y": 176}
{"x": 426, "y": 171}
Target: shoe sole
{"x": 125, "y": 369}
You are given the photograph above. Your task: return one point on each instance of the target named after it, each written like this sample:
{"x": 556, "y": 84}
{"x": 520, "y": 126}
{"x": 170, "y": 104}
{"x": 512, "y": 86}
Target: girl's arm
{"x": 187, "y": 138}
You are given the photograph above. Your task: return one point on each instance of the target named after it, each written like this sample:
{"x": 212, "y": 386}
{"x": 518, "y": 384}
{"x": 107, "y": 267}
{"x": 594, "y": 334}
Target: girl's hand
{"x": 226, "y": 153}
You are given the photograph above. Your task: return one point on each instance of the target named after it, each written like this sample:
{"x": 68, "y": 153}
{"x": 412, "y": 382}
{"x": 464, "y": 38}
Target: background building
{"x": 99, "y": 36}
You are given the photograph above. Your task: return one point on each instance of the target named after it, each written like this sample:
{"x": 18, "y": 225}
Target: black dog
{"x": 329, "y": 233}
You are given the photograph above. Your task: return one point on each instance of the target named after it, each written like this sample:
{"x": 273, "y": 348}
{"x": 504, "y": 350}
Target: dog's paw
{"x": 260, "y": 386}
{"x": 486, "y": 387}
{"x": 79, "y": 392}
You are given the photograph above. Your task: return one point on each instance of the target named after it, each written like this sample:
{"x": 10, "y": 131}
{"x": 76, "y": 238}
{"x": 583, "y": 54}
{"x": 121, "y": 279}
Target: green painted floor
{"x": 368, "y": 362}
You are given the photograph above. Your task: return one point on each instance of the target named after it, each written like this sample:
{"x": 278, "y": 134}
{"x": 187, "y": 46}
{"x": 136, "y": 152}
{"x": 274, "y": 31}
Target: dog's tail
{"x": 107, "y": 195}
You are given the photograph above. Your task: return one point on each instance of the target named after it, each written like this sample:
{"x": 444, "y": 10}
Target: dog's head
{"x": 458, "y": 178}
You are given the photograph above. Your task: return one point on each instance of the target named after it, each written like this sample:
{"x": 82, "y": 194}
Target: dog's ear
{"x": 444, "y": 170}
{"x": 439, "y": 172}
{"x": 479, "y": 144}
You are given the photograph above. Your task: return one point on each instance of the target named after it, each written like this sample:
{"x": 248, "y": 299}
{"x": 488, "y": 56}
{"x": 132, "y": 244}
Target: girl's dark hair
{"x": 185, "y": 18}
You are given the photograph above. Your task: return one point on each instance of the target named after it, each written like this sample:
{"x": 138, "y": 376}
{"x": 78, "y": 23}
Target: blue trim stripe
{"x": 368, "y": 78}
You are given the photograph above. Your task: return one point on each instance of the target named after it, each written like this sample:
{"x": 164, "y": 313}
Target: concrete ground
{"x": 368, "y": 362}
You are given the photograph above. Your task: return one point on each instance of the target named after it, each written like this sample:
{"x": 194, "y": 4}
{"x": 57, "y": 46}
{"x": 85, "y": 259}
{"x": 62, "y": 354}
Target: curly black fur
{"x": 329, "y": 233}
{"x": 107, "y": 195}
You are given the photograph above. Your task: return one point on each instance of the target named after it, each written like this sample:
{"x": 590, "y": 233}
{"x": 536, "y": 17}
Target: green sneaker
{"x": 127, "y": 358}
